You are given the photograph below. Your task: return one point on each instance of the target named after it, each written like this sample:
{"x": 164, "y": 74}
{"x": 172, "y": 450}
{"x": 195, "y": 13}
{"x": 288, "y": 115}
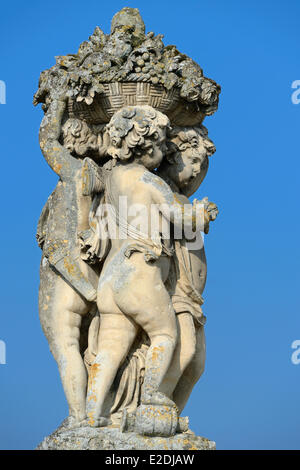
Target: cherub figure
{"x": 184, "y": 170}
{"x": 131, "y": 290}
{"x": 67, "y": 284}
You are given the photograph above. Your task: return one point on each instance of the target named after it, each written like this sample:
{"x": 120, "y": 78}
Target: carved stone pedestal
{"x": 110, "y": 438}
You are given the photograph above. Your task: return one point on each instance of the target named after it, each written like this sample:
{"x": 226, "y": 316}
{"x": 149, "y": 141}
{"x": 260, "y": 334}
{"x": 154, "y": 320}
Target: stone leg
{"x": 157, "y": 413}
{"x": 193, "y": 371}
{"x": 183, "y": 354}
{"x": 116, "y": 335}
{"x": 146, "y": 301}
{"x": 61, "y": 310}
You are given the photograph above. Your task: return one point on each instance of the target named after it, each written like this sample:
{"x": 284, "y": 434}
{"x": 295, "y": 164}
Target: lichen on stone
{"x": 127, "y": 54}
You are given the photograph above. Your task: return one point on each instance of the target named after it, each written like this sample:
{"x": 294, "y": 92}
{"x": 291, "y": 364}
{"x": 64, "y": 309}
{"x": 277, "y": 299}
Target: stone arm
{"x": 170, "y": 206}
{"x": 57, "y": 157}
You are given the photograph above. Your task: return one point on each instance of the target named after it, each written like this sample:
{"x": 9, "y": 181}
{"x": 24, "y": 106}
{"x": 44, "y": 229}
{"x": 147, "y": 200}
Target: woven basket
{"x": 119, "y": 94}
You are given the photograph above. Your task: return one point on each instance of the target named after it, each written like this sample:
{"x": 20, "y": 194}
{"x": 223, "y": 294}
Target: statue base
{"x": 111, "y": 438}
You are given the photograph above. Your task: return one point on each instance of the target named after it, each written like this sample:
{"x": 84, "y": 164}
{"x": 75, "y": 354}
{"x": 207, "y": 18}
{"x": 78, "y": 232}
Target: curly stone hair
{"x": 184, "y": 137}
{"x": 132, "y": 129}
{"x": 81, "y": 138}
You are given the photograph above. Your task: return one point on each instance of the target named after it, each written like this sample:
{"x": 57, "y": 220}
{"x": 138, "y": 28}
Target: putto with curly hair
{"x": 186, "y": 161}
{"x": 133, "y": 130}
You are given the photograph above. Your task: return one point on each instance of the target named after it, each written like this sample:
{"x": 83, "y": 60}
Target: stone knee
{"x": 163, "y": 328}
{"x": 195, "y": 370}
{"x": 111, "y": 358}
{"x": 116, "y": 335}
{"x": 187, "y": 355}
{"x": 168, "y": 336}
{"x": 187, "y": 340}
{"x": 197, "y": 365}
{"x": 67, "y": 341}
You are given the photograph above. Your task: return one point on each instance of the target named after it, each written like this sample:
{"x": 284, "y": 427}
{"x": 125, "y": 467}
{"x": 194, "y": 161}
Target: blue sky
{"x": 248, "y": 397}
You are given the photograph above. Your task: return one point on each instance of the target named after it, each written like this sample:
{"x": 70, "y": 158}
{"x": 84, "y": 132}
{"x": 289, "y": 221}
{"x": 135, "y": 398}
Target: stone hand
{"x": 60, "y": 91}
{"x": 210, "y": 212}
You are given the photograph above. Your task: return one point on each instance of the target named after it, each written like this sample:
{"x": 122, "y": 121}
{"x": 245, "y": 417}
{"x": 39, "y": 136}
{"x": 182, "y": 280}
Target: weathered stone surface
{"x": 131, "y": 56}
{"x": 110, "y": 438}
{"x": 121, "y": 287}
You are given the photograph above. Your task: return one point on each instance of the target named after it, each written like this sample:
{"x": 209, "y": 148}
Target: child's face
{"x": 153, "y": 156}
{"x": 190, "y": 166}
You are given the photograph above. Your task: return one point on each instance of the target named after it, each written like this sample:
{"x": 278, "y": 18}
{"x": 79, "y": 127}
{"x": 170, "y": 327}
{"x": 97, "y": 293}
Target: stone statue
{"x": 123, "y": 267}
{"x": 185, "y": 171}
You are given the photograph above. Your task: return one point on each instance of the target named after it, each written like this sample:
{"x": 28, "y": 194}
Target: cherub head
{"x": 186, "y": 163}
{"x": 138, "y": 133}
{"x": 83, "y": 139}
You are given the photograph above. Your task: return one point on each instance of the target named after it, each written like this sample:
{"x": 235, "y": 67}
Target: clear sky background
{"x": 248, "y": 397}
